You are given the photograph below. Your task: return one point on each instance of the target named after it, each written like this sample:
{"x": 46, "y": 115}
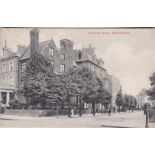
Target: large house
{"x": 12, "y": 65}
{"x": 86, "y": 57}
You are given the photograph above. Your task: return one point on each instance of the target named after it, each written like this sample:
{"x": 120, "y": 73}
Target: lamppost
{"x": 147, "y": 117}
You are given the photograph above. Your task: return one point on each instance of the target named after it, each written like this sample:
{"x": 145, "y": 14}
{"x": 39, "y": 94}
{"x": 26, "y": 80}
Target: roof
{"x": 20, "y": 50}
{"x": 42, "y": 46}
{"x": 88, "y": 54}
{"x": 9, "y": 53}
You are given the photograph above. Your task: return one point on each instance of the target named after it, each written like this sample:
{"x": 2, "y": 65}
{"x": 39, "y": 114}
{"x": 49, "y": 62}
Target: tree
{"x": 88, "y": 87}
{"x": 36, "y": 80}
{"x": 130, "y": 101}
{"x": 151, "y": 91}
{"x": 103, "y": 96}
{"x": 78, "y": 81}
{"x": 119, "y": 99}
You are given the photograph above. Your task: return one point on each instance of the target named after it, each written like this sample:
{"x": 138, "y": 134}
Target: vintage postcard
{"x": 77, "y": 77}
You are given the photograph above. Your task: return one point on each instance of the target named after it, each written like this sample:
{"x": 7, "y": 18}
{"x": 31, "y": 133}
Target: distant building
{"x": 115, "y": 88}
{"x": 142, "y": 98}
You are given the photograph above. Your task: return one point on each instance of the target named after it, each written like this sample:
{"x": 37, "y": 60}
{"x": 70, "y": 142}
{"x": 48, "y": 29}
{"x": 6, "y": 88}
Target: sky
{"x": 129, "y": 54}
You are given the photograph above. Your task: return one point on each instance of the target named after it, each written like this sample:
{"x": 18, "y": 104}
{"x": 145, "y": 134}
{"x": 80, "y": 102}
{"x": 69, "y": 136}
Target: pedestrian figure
{"x": 129, "y": 108}
{"x": 109, "y": 112}
{"x": 114, "y": 109}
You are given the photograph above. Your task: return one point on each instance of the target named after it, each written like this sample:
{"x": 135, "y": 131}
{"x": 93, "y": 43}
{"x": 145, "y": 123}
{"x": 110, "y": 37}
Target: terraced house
{"x": 13, "y": 65}
{"x": 8, "y": 74}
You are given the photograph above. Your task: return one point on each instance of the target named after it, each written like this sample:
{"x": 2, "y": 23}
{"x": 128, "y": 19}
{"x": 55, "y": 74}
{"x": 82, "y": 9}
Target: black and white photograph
{"x": 77, "y": 77}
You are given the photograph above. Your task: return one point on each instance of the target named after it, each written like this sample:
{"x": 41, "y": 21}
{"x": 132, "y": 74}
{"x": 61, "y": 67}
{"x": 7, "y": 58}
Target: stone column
{"x": 7, "y": 99}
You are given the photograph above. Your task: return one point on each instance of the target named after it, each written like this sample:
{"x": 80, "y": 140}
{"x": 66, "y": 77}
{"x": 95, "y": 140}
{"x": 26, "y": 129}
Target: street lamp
{"x": 147, "y": 117}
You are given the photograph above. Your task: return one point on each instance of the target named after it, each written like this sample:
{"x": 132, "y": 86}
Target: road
{"x": 123, "y": 120}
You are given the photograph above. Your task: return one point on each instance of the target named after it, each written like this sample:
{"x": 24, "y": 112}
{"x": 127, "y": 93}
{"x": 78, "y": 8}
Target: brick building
{"x": 61, "y": 57}
{"x": 86, "y": 58}
{"x": 13, "y": 65}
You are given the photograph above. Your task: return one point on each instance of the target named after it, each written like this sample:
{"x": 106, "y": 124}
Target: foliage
{"x": 119, "y": 98}
{"x": 42, "y": 86}
{"x": 151, "y": 91}
{"x": 36, "y": 79}
{"x": 130, "y": 101}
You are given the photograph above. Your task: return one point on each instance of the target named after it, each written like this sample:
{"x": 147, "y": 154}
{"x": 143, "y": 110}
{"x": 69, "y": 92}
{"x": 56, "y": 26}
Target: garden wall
{"x": 41, "y": 113}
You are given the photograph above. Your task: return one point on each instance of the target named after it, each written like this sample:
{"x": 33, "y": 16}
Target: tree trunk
{"x": 93, "y": 106}
{"x": 102, "y": 108}
{"x": 69, "y": 110}
{"x": 57, "y": 113}
{"x": 80, "y": 108}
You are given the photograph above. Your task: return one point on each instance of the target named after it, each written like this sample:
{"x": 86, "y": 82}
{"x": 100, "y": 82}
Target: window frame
{"x": 11, "y": 80}
{"x": 62, "y": 57}
{"x": 10, "y": 65}
{"x": 51, "y": 51}
{"x": 23, "y": 70}
{"x": 62, "y": 68}
{"x": 4, "y": 67}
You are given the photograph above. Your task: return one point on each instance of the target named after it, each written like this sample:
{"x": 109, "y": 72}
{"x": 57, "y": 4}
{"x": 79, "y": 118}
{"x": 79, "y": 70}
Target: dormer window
{"x": 62, "y": 46}
{"x": 51, "y": 51}
{"x": 93, "y": 58}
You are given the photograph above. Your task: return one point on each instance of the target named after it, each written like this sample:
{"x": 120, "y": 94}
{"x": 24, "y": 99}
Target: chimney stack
{"x": 34, "y": 41}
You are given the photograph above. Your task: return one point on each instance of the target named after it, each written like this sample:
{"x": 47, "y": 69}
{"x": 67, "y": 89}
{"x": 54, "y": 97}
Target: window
{"x": 3, "y": 53}
{"x": 3, "y": 81}
{"x": 11, "y": 80}
{"x": 79, "y": 56}
{"x": 23, "y": 66}
{"x": 51, "y": 52}
{"x": 22, "y": 83}
{"x": 4, "y": 67}
{"x": 62, "y": 68}
{"x": 11, "y": 66}
{"x": 52, "y": 63}
{"x": 62, "y": 46}
{"x": 62, "y": 57}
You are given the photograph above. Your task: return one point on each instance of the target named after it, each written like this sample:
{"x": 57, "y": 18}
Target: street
{"x": 134, "y": 119}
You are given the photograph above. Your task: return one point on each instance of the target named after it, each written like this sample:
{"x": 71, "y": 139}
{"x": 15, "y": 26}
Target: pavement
{"x": 134, "y": 119}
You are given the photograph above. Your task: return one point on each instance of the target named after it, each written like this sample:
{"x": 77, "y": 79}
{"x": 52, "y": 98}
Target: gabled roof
{"x": 88, "y": 54}
{"x": 42, "y": 46}
{"x": 20, "y": 50}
